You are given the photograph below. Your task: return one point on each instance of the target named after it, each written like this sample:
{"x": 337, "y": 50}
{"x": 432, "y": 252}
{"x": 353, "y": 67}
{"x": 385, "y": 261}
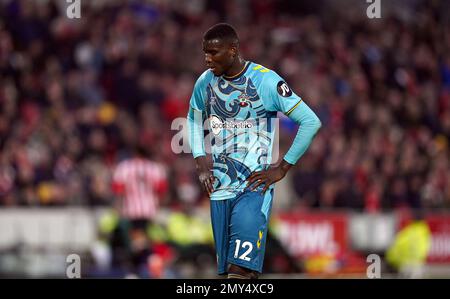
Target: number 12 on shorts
{"x": 246, "y": 245}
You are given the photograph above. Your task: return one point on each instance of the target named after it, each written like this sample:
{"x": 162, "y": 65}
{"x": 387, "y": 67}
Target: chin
{"x": 216, "y": 72}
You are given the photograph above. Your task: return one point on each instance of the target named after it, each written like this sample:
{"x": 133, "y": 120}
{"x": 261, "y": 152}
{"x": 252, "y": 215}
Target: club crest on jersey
{"x": 283, "y": 89}
{"x": 243, "y": 100}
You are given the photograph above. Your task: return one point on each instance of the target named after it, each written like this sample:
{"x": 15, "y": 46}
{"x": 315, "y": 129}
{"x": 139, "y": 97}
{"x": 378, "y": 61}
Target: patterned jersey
{"x": 240, "y": 114}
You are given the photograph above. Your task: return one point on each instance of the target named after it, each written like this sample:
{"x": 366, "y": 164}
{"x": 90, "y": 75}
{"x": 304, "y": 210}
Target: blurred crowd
{"x": 76, "y": 95}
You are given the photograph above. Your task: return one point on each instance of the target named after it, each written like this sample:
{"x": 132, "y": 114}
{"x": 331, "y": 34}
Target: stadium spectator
{"x": 140, "y": 185}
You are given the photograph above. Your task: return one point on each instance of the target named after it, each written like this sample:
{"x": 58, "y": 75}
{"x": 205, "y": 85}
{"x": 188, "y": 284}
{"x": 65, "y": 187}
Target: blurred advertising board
{"x": 440, "y": 238}
{"x": 305, "y": 234}
{"x": 320, "y": 242}
{"x": 439, "y": 225}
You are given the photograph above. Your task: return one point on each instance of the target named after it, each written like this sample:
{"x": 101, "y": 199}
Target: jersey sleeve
{"x": 278, "y": 96}
{"x": 198, "y": 97}
{"x": 196, "y": 116}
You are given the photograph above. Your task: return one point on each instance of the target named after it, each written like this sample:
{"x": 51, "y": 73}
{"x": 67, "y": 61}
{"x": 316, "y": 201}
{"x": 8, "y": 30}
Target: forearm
{"x": 284, "y": 166}
{"x": 309, "y": 125}
{"x": 195, "y": 129}
{"x": 202, "y": 164}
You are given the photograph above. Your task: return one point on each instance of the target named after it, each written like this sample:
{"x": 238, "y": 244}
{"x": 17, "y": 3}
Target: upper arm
{"x": 278, "y": 96}
{"x": 198, "y": 97}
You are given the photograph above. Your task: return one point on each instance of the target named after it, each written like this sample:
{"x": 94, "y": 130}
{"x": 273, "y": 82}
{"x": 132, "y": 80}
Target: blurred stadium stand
{"x": 77, "y": 95}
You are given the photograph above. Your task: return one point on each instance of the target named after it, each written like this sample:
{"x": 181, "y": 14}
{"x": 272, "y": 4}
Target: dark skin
{"x": 223, "y": 58}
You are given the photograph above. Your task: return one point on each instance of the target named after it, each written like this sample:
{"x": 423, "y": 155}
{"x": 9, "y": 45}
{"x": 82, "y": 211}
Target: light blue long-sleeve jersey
{"x": 240, "y": 114}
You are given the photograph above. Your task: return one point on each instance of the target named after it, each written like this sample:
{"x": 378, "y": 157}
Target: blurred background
{"x": 81, "y": 97}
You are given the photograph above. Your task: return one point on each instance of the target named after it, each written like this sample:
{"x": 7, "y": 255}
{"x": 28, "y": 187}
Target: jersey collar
{"x": 247, "y": 64}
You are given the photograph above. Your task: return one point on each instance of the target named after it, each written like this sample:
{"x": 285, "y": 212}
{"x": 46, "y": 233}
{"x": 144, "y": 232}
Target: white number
{"x": 244, "y": 245}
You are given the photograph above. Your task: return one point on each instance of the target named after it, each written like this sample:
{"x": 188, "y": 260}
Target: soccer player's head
{"x": 221, "y": 47}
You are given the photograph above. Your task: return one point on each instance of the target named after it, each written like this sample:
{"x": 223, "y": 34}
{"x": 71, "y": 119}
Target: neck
{"x": 236, "y": 68}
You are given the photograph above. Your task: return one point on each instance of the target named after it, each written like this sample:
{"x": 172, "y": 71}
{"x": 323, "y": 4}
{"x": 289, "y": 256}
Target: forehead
{"x": 214, "y": 44}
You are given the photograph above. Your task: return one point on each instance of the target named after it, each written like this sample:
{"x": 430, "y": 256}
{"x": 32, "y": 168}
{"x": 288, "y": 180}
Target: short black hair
{"x": 222, "y": 31}
{"x": 141, "y": 150}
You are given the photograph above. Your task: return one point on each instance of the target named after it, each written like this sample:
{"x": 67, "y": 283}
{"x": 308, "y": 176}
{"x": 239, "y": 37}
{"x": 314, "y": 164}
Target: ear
{"x": 233, "y": 50}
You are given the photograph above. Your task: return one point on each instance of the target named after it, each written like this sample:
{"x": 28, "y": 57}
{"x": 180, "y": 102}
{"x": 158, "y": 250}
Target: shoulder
{"x": 157, "y": 167}
{"x": 268, "y": 79}
{"x": 121, "y": 165}
{"x": 204, "y": 78}
{"x": 264, "y": 74}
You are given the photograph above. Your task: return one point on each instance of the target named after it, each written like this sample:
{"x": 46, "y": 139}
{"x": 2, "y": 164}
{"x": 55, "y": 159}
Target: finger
{"x": 259, "y": 179}
{"x": 254, "y": 178}
{"x": 266, "y": 187}
{"x": 212, "y": 180}
{"x": 258, "y": 183}
{"x": 254, "y": 174}
{"x": 205, "y": 187}
{"x": 251, "y": 183}
{"x": 211, "y": 184}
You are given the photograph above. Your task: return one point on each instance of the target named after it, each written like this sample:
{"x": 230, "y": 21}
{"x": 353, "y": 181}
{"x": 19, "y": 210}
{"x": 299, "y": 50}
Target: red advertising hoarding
{"x": 439, "y": 225}
{"x": 311, "y": 234}
{"x": 440, "y": 238}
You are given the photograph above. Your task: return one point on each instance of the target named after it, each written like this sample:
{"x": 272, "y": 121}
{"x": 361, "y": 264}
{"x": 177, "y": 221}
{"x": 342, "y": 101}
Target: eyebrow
{"x": 211, "y": 49}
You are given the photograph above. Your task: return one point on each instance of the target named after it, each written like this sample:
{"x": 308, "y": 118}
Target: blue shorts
{"x": 240, "y": 228}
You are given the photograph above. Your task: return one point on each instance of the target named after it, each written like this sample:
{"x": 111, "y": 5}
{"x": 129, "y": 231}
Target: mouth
{"x": 212, "y": 68}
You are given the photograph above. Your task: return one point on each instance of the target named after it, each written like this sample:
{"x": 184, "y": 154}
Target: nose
{"x": 208, "y": 59}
